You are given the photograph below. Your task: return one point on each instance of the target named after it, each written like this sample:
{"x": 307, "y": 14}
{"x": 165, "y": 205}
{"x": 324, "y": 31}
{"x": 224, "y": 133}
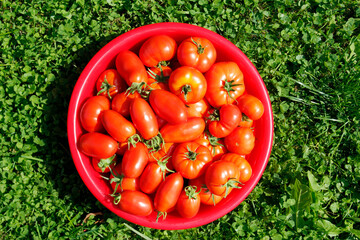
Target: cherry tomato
{"x": 90, "y": 113}
{"x": 130, "y": 67}
{"x": 206, "y": 197}
{"x": 103, "y": 165}
{"x": 110, "y": 83}
{"x": 188, "y": 83}
{"x": 168, "y": 106}
{"x": 251, "y": 106}
{"x": 120, "y": 183}
{"x": 121, "y": 102}
{"x": 143, "y": 118}
{"x": 168, "y": 194}
{"x": 191, "y": 159}
{"x": 183, "y": 132}
{"x": 97, "y": 145}
{"x": 188, "y": 204}
{"x": 228, "y": 119}
{"x": 153, "y": 175}
{"x": 197, "y": 52}
{"x": 157, "y": 49}
{"x": 135, "y": 160}
{"x": 198, "y": 109}
{"x": 117, "y": 126}
{"x": 215, "y": 145}
{"x": 240, "y": 141}
{"x": 158, "y": 77}
{"x": 242, "y": 164}
{"x": 135, "y": 202}
{"x": 225, "y": 83}
{"x": 221, "y": 177}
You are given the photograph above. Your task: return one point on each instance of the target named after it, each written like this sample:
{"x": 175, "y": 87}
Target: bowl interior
{"x": 132, "y": 40}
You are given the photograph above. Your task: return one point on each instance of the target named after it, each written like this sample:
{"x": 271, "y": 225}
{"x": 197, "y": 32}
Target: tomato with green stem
{"x": 242, "y": 164}
{"x": 215, "y": 145}
{"x": 103, "y": 165}
{"x": 119, "y": 182}
{"x": 90, "y": 112}
{"x": 245, "y": 121}
{"x": 224, "y": 120}
{"x": 206, "y": 197}
{"x": 158, "y": 77}
{"x": 188, "y": 204}
{"x": 98, "y": 145}
{"x": 110, "y": 83}
{"x": 225, "y": 83}
{"x": 121, "y": 102}
{"x": 135, "y": 160}
{"x": 183, "y": 132}
{"x": 251, "y": 106}
{"x": 134, "y": 202}
{"x": 240, "y": 141}
{"x": 197, "y": 52}
{"x": 188, "y": 83}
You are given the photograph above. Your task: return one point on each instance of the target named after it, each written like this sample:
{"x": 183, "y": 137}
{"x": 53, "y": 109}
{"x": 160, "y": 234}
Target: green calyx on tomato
{"x": 154, "y": 144}
{"x": 133, "y": 140}
{"x": 200, "y": 48}
{"x": 160, "y": 78}
{"x": 191, "y": 192}
{"x": 161, "y": 214}
{"x": 106, "y": 162}
{"x": 191, "y": 155}
{"x": 229, "y": 87}
{"x": 105, "y": 87}
{"x": 162, "y": 64}
{"x": 185, "y": 90}
{"x": 231, "y": 183}
{"x": 142, "y": 88}
{"x": 214, "y": 141}
{"x": 214, "y": 115}
{"x": 117, "y": 178}
{"x": 162, "y": 164}
{"x": 206, "y": 190}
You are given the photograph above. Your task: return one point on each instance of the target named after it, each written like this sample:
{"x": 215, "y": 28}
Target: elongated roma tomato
{"x": 225, "y": 83}
{"x": 130, "y": 67}
{"x": 90, "y": 113}
{"x": 183, "y": 132}
{"x": 240, "y": 141}
{"x": 229, "y": 118}
{"x": 97, "y": 145}
{"x": 117, "y": 126}
{"x": 251, "y": 106}
{"x": 121, "y": 102}
{"x": 168, "y": 106}
{"x": 135, "y": 202}
{"x": 110, "y": 83}
{"x": 153, "y": 175}
{"x": 243, "y": 165}
{"x": 188, "y": 204}
{"x": 143, "y": 118}
{"x": 135, "y": 160}
{"x": 157, "y": 49}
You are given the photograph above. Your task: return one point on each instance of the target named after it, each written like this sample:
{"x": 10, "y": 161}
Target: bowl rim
{"x": 74, "y": 105}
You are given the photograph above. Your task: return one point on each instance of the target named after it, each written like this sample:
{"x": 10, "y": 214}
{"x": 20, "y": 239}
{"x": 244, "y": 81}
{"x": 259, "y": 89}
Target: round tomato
{"x": 240, "y": 141}
{"x": 221, "y": 177}
{"x": 188, "y": 83}
{"x": 134, "y": 202}
{"x": 245, "y": 121}
{"x": 225, "y": 83}
{"x": 157, "y": 49}
{"x": 183, "y": 132}
{"x": 158, "y": 77}
{"x": 190, "y": 159}
{"x": 188, "y": 204}
{"x": 226, "y": 122}
{"x": 103, "y": 165}
{"x": 153, "y": 175}
{"x": 110, "y": 83}
{"x": 251, "y": 106}
{"x": 130, "y": 68}
{"x": 143, "y": 118}
{"x": 168, "y": 106}
{"x": 197, "y": 52}
{"x": 97, "y": 145}
{"x": 242, "y": 164}
{"x": 135, "y": 160}
{"x": 206, "y": 197}
{"x": 90, "y": 113}
{"x": 168, "y": 194}
{"x": 198, "y": 109}
{"x": 215, "y": 145}
{"x": 120, "y": 183}
{"x": 121, "y": 102}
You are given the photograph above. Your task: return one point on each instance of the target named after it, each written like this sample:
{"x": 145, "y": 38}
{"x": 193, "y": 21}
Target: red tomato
{"x": 215, "y": 145}
{"x": 143, "y": 118}
{"x": 135, "y": 202}
{"x": 123, "y": 146}
{"x": 221, "y": 177}
{"x": 103, "y": 165}
{"x": 190, "y": 159}
{"x": 130, "y": 67}
{"x": 206, "y": 197}
{"x": 165, "y": 151}
{"x": 161, "y": 122}
{"x": 153, "y": 175}
{"x": 198, "y": 109}
{"x": 110, "y": 83}
{"x": 135, "y": 160}
{"x": 240, "y": 141}
{"x": 228, "y": 120}
{"x": 245, "y": 121}
{"x": 158, "y": 77}
{"x": 120, "y": 183}
{"x": 90, "y": 113}
{"x": 157, "y": 49}
{"x": 225, "y": 83}
{"x": 168, "y": 194}
{"x": 188, "y": 83}
{"x": 183, "y": 132}
{"x": 97, "y": 145}
{"x": 188, "y": 204}
{"x": 251, "y": 106}
{"x": 121, "y": 102}
{"x": 168, "y": 106}
{"x": 197, "y": 52}
{"x": 243, "y": 165}
{"x": 117, "y": 126}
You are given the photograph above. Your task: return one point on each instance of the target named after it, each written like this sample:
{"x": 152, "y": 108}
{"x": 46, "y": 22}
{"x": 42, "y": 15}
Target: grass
{"x": 307, "y": 53}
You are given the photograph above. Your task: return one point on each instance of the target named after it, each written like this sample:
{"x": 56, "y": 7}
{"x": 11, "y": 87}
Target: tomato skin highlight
{"x": 251, "y": 106}
{"x": 183, "y": 132}
{"x": 240, "y": 141}
{"x": 117, "y": 126}
{"x": 135, "y": 160}
{"x": 130, "y": 67}
{"x": 143, "y": 118}
{"x": 122, "y": 101}
{"x": 168, "y": 106}
{"x": 188, "y": 204}
{"x": 242, "y": 164}
{"x": 97, "y": 145}
{"x": 198, "y": 109}
{"x": 110, "y": 83}
{"x": 157, "y": 49}
{"x": 136, "y": 203}
{"x": 90, "y": 118}
{"x": 230, "y": 117}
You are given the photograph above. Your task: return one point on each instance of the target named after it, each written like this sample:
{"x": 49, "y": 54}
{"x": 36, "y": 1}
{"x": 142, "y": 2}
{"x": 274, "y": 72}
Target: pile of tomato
{"x": 169, "y": 127}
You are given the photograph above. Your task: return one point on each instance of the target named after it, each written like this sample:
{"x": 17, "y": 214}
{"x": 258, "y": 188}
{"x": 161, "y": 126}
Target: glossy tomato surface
{"x": 132, "y": 40}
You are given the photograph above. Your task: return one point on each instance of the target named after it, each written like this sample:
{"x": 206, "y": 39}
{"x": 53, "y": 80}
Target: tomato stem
{"x": 117, "y": 198}
{"x": 213, "y": 115}
{"x": 185, "y": 90}
{"x": 200, "y": 48}
{"x": 191, "y": 192}
{"x": 191, "y": 155}
{"x": 162, "y": 164}
{"x": 142, "y": 88}
{"x": 105, "y": 86}
{"x": 133, "y": 140}
{"x": 159, "y": 78}
{"x": 231, "y": 183}
{"x": 117, "y": 178}
{"x": 229, "y": 87}
{"x": 155, "y": 144}
{"x": 163, "y": 214}
{"x": 105, "y": 162}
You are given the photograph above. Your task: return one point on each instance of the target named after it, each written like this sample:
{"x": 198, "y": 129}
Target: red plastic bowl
{"x": 104, "y": 59}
